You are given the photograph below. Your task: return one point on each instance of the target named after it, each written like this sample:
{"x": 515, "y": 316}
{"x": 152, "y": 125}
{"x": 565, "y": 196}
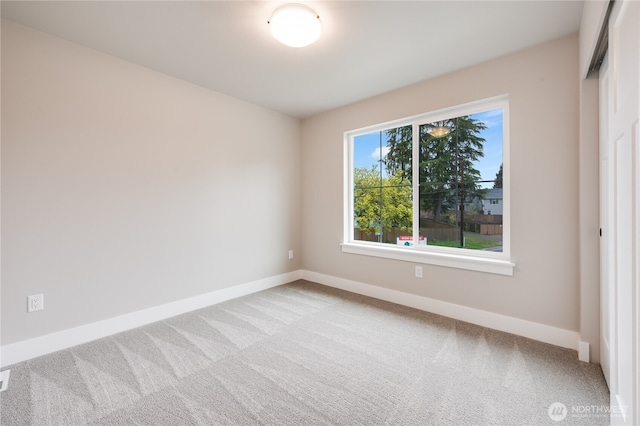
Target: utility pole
{"x": 461, "y": 168}
{"x": 461, "y": 202}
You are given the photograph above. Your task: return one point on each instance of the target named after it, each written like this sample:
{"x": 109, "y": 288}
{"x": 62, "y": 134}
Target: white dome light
{"x": 295, "y": 25}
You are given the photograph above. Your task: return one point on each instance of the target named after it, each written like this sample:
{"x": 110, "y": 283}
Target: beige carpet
{"x": 305, "y": 354}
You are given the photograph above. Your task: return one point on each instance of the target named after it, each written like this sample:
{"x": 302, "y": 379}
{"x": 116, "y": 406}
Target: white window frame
{"x": 460, "y": 258}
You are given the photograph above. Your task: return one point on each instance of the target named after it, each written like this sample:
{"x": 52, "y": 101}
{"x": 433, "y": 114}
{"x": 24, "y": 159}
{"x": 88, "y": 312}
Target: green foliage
{"x": 447, "y": 173}
{"x": 471, "y": 243}
{"x": 498, "y": 182}
{"x": 382, "y": 201}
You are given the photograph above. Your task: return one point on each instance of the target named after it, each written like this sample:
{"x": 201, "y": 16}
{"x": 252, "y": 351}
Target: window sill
{"x": 471, "y": 263}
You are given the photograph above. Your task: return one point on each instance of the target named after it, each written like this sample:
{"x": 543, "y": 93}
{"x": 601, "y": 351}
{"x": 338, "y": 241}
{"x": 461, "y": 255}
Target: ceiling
{"x": 367, "y": 47}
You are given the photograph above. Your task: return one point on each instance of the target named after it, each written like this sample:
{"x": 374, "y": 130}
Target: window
{"x": 416, "y": 189}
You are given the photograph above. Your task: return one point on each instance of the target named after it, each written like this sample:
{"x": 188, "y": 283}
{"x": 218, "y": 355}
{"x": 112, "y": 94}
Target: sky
{"x": 367, "y": 148}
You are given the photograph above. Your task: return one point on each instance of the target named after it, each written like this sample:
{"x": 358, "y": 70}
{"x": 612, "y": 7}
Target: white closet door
{"x": 607, "y": 259}
{"x": 623, "y": 162}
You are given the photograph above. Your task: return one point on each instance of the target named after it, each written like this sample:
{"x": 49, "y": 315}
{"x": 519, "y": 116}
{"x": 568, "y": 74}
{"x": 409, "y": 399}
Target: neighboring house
{"x": 492, "y": 202}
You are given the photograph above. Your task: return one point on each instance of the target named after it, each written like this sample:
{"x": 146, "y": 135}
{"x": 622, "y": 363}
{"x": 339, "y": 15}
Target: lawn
{"x": 471, "y": 243}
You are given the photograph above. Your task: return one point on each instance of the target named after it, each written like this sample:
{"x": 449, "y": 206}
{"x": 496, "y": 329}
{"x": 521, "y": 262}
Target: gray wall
{"x": 542, "y": 83}
{"x": 123, "y": 188}
{"x": 593, "y": 15}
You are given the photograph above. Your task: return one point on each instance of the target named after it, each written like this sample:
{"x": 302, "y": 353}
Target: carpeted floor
{"x": 305, "y": 354}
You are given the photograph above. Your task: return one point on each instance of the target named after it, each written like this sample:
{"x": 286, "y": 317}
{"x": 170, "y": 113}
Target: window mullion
{"x": 349, "y": 219}
{"x": 415, "y": 178}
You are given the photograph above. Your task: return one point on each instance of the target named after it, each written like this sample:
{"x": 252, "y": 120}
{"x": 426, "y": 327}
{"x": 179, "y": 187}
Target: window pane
{"x": 383, "y": 214}
{"x": 383, "y": 206}
{"x": 367, "y": 155}
{"x": 460, "y": 173}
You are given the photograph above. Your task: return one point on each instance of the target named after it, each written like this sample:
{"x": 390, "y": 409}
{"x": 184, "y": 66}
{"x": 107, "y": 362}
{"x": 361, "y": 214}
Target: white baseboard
{"x": 4, "y": 380}
{"x": 541, "y": 332}
{"x": 28, "y": 349}
{"x": 584, "y": 351}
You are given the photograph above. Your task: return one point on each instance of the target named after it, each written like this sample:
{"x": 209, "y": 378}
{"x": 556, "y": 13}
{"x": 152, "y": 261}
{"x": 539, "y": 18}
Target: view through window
{"x": 453, "y": 198}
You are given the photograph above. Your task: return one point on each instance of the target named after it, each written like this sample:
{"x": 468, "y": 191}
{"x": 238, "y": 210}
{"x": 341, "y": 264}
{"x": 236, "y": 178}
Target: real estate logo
{"x": 558, "y": 411}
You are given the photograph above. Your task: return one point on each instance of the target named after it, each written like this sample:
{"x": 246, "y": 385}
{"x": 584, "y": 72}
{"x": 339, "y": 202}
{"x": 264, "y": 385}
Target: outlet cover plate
{"x": 35, "y": 303}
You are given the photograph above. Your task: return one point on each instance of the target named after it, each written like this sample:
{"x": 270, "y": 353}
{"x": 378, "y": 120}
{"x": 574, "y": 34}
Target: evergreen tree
{"x": 498, "y": 182}
{"x": 446, "y": 161}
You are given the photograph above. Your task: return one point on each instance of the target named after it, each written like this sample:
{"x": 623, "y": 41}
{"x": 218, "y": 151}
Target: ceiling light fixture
{"x": 295, "y": 25}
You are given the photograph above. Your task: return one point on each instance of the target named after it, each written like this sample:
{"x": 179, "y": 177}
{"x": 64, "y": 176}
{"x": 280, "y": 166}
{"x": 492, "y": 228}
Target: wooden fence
{"x": 490, "y": 229}
{"x": 391, "y": 236}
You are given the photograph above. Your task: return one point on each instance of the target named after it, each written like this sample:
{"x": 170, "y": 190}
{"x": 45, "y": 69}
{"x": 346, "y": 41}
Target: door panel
{"x": 622, "y": 385}
{"x": 622, "y": 134}
{"x": 606, "y": 226}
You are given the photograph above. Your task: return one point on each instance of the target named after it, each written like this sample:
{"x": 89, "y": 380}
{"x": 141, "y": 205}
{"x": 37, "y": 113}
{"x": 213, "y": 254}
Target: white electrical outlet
{"x": 35, "y": 303}
{"x": 290, "y": 254}
{"x": 418, "y": 271}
